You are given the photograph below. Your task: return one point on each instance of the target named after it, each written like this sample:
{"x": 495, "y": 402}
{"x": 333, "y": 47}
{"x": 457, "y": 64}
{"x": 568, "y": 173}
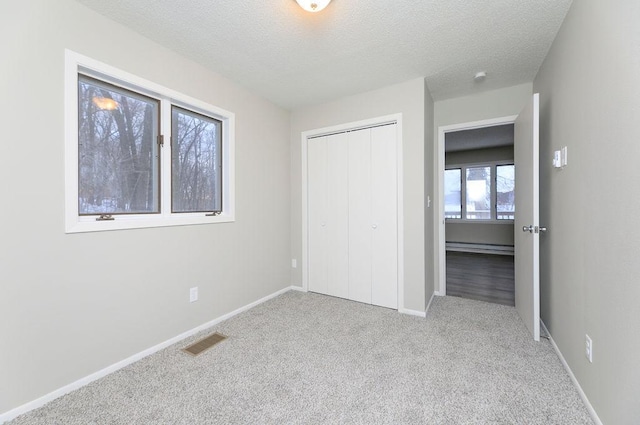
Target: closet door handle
{"x": 374, "y": 226}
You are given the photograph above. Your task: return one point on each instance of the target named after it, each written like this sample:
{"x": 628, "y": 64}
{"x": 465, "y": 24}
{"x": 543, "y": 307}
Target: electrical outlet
{"x": 193, "y": 294}
{"x": 294, "y": 263}
{"x": 588, "y": 348}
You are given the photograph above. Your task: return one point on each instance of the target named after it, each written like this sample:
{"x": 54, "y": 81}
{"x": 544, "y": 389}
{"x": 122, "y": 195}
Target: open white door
{"x": 527, "y": 225}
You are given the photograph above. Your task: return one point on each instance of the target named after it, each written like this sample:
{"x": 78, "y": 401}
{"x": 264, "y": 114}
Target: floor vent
{"x": 204, "y": 344}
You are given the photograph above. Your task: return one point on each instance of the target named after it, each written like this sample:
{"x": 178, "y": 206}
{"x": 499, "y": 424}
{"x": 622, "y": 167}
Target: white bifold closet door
{"x": 352, "y": 204}
{"x": 328, "y": 215}
{"x": 384, "y": 220}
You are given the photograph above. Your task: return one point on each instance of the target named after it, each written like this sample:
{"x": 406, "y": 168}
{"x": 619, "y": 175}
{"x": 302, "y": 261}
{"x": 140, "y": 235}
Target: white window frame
{"x": 74, "y": 222}
{"x": 494, "y": 192}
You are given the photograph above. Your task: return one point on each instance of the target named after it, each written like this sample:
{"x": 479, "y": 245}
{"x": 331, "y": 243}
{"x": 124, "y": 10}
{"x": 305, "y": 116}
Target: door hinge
{"x": 161, "y": 140}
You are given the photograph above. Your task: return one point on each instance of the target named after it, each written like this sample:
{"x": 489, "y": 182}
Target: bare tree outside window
{"x": 196, "y": 161}
{"x": 505, "y": 188}
{"x": 478, "y": 193}
{"x": 140, "y": 155}
{"x": 117, "y": 151}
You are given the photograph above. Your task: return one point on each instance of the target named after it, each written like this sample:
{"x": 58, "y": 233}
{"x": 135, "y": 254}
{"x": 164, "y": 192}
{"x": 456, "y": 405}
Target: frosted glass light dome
{"x": 313, "y": 5}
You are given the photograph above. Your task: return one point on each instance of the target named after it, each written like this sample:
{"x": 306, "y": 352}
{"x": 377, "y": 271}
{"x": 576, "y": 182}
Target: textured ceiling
{"x": 297, "y": 58}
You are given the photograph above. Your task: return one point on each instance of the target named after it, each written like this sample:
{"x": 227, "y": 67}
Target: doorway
{"x": 475, "y": 219}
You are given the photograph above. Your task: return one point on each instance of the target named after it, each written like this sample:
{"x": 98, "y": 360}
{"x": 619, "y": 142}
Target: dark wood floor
{"x": 484, "y": 277}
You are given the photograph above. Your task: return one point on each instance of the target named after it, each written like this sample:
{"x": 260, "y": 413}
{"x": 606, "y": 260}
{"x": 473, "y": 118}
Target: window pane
{"x": 478, "y": 192}
{"x": 452, "y": 199}
{"x": 196, "y": 160}
{"x": 117, "y": 150}
{"x": 505, "y": 183}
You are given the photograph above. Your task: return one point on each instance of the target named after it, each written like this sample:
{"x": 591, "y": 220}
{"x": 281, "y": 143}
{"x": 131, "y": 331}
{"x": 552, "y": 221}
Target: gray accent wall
{"x": 409, "y": 99}
{"x": 429, "y": 176}
{"x": 492, "y": 104}
{"x": 73, "y": 304}
{"x": 589, "y": 88}
{"x": 481, "y": 233}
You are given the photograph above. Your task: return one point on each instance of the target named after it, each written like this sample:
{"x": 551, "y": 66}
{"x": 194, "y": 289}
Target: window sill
{"x": 463, "y": 221}
{"x": 89, "y": 223}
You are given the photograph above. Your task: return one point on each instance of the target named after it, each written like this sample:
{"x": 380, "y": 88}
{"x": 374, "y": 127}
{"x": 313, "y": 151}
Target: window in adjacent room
{"x": 479, "y": 192}
{"x": 505, "y": 192}
{"x": 452, "y": 193}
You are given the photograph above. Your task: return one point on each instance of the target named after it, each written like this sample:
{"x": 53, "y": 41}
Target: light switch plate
{"x": 557, "y": 159}
{"x": 588, "y": 348}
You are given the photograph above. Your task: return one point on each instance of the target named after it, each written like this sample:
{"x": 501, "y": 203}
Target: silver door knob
{"x": 527, "y": 228}
{"x": 543, "y": 229}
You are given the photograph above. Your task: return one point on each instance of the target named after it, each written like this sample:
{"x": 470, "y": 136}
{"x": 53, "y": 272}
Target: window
{"x": 488, "y": 192}
{"x": 141, "y": 155}
{"x": 118, "y": 154}
{"x": 196, "y": 170}
{"x": 505, "y": 187}
{"x": 452, "y": 194}
{"x": 478, "y": 191}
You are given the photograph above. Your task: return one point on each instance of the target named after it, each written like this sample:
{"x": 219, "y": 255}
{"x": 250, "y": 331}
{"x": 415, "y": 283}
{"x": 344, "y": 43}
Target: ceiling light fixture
{"x": 480, "y": 77}
{"x": 313, "y": 5}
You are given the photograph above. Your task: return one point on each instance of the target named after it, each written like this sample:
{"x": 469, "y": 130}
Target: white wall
{"x": 589, "y": 87}
{"x": 409, "y": 99}
{"x": 73, "y": 304}
{"x": 429, "y": 235}
{"x": 481, "y": 106}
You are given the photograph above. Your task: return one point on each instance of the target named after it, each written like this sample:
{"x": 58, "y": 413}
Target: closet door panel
{"x": 360, "y": 216}
{"x": 337, "y": 211}
{"x": 317, "y": 214}
{"x": 384, "y": 183}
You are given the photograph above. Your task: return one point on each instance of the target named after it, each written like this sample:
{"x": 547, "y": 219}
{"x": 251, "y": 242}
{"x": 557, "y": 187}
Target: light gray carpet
{"x": 311, "y": 359}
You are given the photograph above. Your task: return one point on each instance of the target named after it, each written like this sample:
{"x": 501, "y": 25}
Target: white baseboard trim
{"x": 297, "y": 288}
{"x": 480, "y": 248}
{"x": 583, "y": 396}
{"x": 39, "y": 402}
{"x": 426, "y": 310}
{"x": 412, "y": 312}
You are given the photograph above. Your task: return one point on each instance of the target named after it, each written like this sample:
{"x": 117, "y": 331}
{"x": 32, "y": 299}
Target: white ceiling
{"x": 296, "y": 58}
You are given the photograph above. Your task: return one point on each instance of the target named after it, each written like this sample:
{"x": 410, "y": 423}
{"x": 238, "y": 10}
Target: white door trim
{"x": 440, "y": 248}
{"x": 352, "y": 126}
